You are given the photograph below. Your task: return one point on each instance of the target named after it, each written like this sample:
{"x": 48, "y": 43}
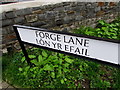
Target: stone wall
{"x": 61, "y": 16}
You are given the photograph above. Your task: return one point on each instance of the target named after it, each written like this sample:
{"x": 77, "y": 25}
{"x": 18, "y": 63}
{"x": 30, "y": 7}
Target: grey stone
{"x": 4, "y": 31}
{"x": 50, "y": 14}
{"x": 19, "y": 12}
{"x": 78, "y": 18}
{"x": 31, "y": 18}
{"x": 7, "y": 22}
{"x": 59, "y": 22}
{"x": 7, "y": 30}
{"x": 23, "y": 12}
{"x": 39, "y": 23}
{"x": 41, "y": 16}
{"x": 27, "y": 11}
{"x": 66, "y": 19}
{"x": 2, "y": 16}
{"x": 19, "y": 20}
{"x": 59, "y": 9}
{"x": 35, "y": 8}
{"x": 10, "y": 14}
{"x": 97, "y": 9}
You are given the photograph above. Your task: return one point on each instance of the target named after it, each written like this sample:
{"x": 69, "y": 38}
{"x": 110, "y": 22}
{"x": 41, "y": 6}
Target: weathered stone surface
{"x": 38, "y": 12}
{"x": 78, "y": 18}
{"x": 61, "y": 15}
{"x": 27, "y": 11}
{"x": 10, "y": 14}
{"x": 41, "y": 16}
{"x": 22, "y": 12}
{"x": 39, "y": 23}
{"x": 31, "y": 18}
{"x": 19, "y": 20}
{"x": 100, "y": 13}
{"x": 4, "y": 31}
{"x": 2, "y": 16}
{"x": 19, "y": 12}
{"x": 59, "y": 22}
{"x": 7, "y": 22}
{"x": 7, "y": 30}
{"x": 97, "y": 9}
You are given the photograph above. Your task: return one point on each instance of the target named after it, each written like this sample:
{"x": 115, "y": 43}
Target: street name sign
{"x": 105, "y": 50}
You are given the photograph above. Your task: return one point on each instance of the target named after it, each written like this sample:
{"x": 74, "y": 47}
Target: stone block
{"x": 39, "y": 23}
{"x": 41, "y": 16}
{"x": 10, "y": 14}
{"x": 97, "y": 9}
{"x": 23, "y": 12}
{"x": 4, "y": 31}
{"x": 100, "y": 13}
{"x": 31, "y": 18}
{"x": 59, "y": 22}
{"x": 78, "y": 18}
{"x": 2, "y": 16}
{"x": 7, "y": 30}
{"x": 7, "y": 22}
{"x": 101, "y": 3}
{"x": 68, "y": 19}
{"x": 19, "y": 12}
{"x": 38, "y": 12}
{"x": 19, "y": 20}
{"x": 27, "y": 11}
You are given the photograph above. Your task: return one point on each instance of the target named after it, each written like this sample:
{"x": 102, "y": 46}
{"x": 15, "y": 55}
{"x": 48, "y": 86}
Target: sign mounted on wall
{"x": 100, "y": 49}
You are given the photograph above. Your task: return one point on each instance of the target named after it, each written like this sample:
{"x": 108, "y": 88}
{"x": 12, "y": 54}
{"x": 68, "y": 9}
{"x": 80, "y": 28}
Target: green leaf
{"x": 48, "y": 68}
{"x": 20, "y": 69}
{"x": 68, "y": 60}
{"x": 27, "y": 68}
{"x": 52, "y": 74}
{"x": 44, "y": 54}
{"x": 23, "y": 59}
{"x": 40, "y": 59}
{"x": 62, "y": 81}
{"x": 104, "y": 28}
{"x": 34, "y": 62}
{"x": 32, "y": 56}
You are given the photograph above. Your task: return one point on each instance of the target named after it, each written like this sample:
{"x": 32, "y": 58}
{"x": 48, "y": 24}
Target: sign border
{"x": 65, "y": 33}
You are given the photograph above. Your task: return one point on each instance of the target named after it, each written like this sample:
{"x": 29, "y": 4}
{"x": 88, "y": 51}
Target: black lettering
{"x": 65, "y": 40}
{"x": 71, "y": 48}
{"x": 54, "y": 44}
{"x": 86, "y": 52}
{"x": 78, "y": 41}
{"x": 71, "y": 40}
{"x": 47, "y": 36}
{"x": 59, "y": 46}
{"x": 47, "y": 43}
{"x": 41, "y": 42}
{"x": 53, "y": 38}
{"x": 86, "y": 42}
{"x": 58, "y": 38}
{"x": 37, "y": 41}
{"x": 77, "y": 50}
{"x": 41, "y": 34}
{"x": 36, "y": 33}
{"x": 66, "y": 48}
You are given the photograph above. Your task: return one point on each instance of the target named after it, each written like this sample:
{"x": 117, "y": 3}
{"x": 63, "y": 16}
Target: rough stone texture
{"x": 2, "y": 16}
{"x": 31, "y": 18}
{"x": 38, "y": 24}
{"x": 10, "y": 14}
{"x": 7, "y": 22}
{"x": 19, "y": 20}
{"x": 62, "y": 16}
